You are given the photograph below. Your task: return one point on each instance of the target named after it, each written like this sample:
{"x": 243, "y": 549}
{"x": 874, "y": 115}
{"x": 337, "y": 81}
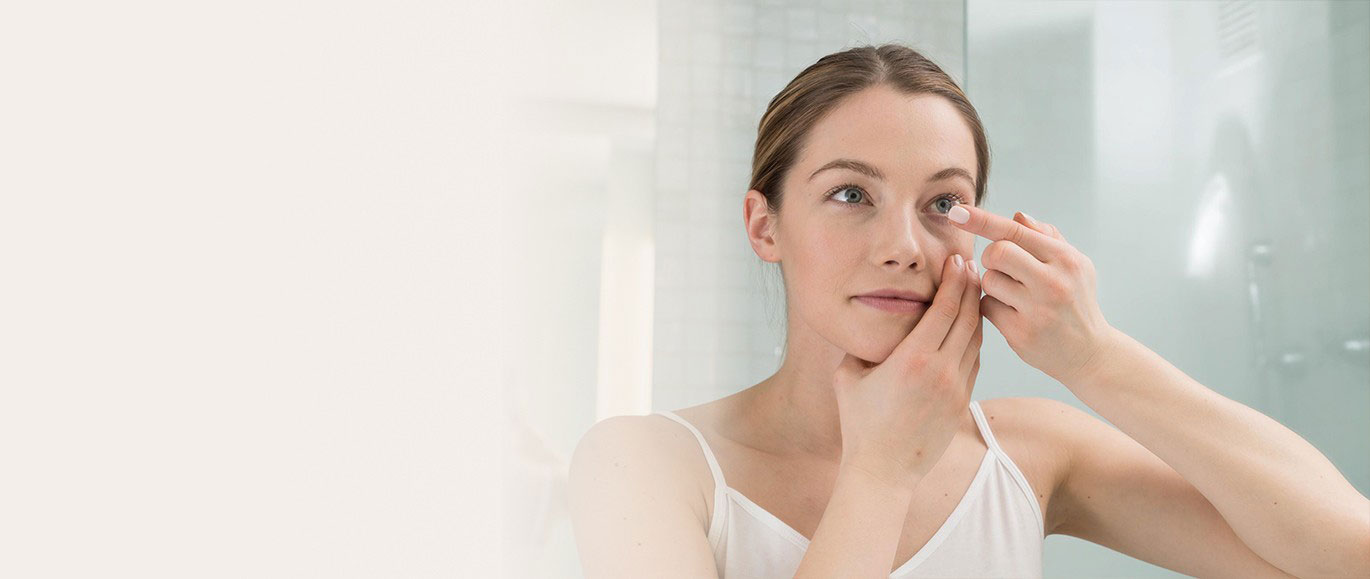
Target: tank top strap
{"x": 983, "y": 425}
{"x": 719, "y": 484}
{"x": 1006, "y": 460}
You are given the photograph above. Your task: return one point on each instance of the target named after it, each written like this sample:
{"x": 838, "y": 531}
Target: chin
{"x": 874, "y": 343}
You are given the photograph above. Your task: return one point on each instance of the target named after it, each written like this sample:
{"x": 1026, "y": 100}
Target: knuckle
{"x": 1018, "y": 234}
{"x": 1070, "y": 261}
{"x": 1059, "y": 291}
{"x": 991, "y": 252}
{"x": 918, "y": 362}
{"x": 947, "y": 376}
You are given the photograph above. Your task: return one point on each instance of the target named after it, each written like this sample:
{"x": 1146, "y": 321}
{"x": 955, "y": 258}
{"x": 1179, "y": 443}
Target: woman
{"x": 864, "y": 456}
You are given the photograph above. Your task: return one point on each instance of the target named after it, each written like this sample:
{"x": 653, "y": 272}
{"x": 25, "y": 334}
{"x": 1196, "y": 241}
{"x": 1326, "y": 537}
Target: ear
{"x": 760, "y": 225}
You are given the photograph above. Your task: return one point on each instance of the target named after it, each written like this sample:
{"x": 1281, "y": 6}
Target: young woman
{"x": 864, "y": 455}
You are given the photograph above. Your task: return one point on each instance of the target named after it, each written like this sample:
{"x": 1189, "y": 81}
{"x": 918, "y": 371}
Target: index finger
{"x": 930, "y": 331}
{"x": 995, "y": 227}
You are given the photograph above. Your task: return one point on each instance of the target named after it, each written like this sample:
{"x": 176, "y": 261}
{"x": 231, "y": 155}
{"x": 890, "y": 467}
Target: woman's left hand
{"x": 1039, "y": 293}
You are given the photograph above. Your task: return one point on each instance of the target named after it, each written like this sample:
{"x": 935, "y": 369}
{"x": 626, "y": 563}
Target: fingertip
{"x": 959, "y": 214}
{"x": 1027, "y": 221}
{"x": 954, "y": 262}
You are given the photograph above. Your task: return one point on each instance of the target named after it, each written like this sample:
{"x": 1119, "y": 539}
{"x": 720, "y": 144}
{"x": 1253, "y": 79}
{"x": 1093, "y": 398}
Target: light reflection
{"x": 1210, "y": 226}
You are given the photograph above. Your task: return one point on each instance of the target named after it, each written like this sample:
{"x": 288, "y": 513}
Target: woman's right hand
{"x": 899, "y": 416}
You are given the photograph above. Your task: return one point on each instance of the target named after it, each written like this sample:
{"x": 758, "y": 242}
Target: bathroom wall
{"x": 1213, "y": 159}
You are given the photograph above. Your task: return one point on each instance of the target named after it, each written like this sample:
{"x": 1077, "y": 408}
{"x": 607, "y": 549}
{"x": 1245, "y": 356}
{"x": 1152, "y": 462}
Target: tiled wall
{"x": 719, "y": 310}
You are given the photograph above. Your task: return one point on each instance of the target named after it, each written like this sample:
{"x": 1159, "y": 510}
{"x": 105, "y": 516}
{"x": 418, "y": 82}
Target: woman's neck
{"x": 796, "y": 408}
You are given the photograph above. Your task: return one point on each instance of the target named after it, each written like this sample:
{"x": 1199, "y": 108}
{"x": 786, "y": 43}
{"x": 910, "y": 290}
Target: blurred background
{"x": 1212, "y": 158}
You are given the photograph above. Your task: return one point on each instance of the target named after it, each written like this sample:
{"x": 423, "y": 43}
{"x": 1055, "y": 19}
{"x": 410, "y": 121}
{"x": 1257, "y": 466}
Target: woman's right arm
{"x": 897, "y": 419}
{"x": 635, "y": 509}
{"x": 860, "y": 528}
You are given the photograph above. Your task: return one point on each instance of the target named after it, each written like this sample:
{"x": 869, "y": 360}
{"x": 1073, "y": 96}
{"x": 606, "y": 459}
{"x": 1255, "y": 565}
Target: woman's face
{"x": 843, "y": 232}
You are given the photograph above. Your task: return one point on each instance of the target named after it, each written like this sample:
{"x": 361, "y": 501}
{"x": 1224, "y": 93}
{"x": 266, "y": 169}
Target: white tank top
{"x": 995, "y": 531}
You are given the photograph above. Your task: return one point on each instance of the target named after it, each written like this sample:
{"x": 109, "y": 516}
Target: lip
{"x": 896, "y": 293}
{"x": 894, "y": 305}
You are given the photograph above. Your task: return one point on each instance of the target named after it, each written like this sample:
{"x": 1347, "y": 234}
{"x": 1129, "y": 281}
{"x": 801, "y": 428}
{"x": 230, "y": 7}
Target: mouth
{"x": 893, "y": 305}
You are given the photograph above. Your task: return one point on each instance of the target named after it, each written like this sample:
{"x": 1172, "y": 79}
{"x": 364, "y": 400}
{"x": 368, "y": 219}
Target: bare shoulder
{"x": 651, "y": 453}
{"x": 633, "y": 502}
{"x": 1034, "y": 432}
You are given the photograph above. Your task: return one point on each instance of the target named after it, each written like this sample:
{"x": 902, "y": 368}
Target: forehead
{"x": 906, "y": 136}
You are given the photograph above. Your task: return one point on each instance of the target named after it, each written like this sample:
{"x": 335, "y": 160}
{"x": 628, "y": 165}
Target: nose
{"x": 898, "y": 241}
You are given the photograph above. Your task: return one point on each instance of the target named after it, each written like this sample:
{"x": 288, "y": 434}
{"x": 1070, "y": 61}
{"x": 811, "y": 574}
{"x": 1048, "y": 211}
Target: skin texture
{"x": 890, "y": 233}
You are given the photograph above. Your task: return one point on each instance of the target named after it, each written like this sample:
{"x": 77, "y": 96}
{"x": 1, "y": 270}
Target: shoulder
{"x": 633, "y": 505}
{"x": 1039, "y": 435}
{"x": 1031, "y": 418}
{"x": 638, "y": 454}
{"x": 640, "y": 445}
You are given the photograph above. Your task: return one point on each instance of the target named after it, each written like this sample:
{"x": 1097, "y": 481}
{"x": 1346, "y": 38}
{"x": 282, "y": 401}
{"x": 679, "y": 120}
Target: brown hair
{"x": 793, "y": 112}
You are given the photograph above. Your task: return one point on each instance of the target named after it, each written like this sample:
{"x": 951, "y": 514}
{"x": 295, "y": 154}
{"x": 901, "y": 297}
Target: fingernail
{"x": 973, "y": 269}
{"x": 1029, "y": 219}
{"x": 956, "y": 259}
{"x": 958, "y": 214}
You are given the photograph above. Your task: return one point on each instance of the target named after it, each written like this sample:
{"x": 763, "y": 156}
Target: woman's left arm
{"x": 1283, "y": 498}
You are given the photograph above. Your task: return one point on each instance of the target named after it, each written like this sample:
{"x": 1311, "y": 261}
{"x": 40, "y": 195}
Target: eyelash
{"x": 956, "y": 197}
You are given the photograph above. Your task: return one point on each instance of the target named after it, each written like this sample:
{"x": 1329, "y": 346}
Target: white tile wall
{"x": 719, "y": 313}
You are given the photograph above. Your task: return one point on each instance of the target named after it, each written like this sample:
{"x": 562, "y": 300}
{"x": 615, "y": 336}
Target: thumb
{"x": 851, "y": 368}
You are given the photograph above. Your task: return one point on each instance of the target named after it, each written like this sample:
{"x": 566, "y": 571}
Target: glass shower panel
{"x": 1213, "y": 159}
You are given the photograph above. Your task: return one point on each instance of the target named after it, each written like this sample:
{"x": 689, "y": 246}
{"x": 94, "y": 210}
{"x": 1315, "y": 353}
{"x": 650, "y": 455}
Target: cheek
{"x": 945, "y": 229}
{"x": 953, "y": 239}
{"x": 830, "y": 253}
{"x": 819, "y": 268}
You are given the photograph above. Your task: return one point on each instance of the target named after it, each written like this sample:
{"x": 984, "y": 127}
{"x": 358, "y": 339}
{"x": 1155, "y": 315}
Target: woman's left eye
{"x": 952, "y": 200}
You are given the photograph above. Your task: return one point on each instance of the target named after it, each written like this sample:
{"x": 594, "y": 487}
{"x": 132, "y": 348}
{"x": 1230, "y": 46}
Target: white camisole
{"x": 995, "y": 531}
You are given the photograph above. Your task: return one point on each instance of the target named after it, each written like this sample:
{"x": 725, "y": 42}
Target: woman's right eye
{"x": 838, "y": 194}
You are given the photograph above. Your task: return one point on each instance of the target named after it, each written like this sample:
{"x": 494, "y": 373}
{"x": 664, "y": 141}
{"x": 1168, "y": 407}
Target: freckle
{"x": 639, "y": 542}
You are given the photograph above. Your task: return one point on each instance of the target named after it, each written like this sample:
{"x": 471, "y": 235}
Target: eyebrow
{"x": 872, "y": 172}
